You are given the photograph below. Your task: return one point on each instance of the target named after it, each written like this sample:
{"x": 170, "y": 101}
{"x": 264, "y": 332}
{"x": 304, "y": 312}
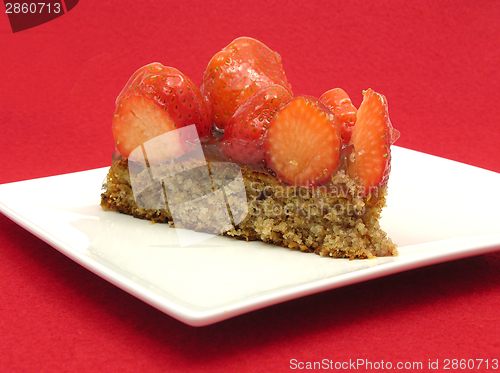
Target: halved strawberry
{"x": 303, "y": 143}
{"x": 236, "y": 73}
{"x": 341, "y": 106}
{"x": 372, "y": 137}
{"x": 156, "y": 100}
{"x": 244, "y": 133}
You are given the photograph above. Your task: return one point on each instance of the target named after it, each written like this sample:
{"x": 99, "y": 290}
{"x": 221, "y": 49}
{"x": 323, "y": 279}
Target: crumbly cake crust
{"x": 334, "y": 220}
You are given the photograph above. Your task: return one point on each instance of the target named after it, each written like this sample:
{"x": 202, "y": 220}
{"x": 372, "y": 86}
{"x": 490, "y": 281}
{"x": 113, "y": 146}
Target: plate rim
{"x": 490, "y": 243}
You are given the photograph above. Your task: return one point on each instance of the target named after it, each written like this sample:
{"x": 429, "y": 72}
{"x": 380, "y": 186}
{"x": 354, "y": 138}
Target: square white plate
{"x": 438, "y": 210}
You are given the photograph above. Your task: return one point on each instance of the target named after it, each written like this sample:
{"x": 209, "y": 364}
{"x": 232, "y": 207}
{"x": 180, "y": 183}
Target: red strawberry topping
{"x": 303, "y": 143}
{"x": 341, "y": 106}
{"x": 244, "y": 133}
{"x": 372, "y": 137}
{"x": 156, "y": 100}
{"x": 238, "y": 72}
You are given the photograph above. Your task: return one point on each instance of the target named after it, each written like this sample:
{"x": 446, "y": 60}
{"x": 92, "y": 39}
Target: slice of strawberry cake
{"x": 243, "y": 157}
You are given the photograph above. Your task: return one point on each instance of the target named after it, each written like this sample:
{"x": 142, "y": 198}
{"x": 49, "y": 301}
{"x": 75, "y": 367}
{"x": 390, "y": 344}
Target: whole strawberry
{"x": 341, "y": 106}
{"x": 238, "y": 72}
{"x": 244, "y": 133}
{"x": 156, "y": 100}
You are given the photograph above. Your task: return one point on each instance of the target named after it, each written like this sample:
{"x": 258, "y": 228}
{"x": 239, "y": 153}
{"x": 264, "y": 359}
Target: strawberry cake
{"x": 299, "y": 172}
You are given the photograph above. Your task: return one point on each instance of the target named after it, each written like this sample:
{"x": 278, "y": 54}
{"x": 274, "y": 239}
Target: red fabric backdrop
{"x": 436, "y": 61}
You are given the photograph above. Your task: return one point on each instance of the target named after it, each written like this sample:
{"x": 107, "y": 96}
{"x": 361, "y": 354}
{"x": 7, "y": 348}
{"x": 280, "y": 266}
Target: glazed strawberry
{"x": 341, "y": 106}
{"x": 244, "y": 133}
{"x": 156, "y": 100}
{"x": 303, "y": 143}
{"x": 236, "y": 73}
{"x": 372, "y": 137}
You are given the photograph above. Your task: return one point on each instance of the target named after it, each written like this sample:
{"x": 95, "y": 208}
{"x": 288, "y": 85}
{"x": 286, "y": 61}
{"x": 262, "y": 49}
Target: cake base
{"x": 334, "y": 220}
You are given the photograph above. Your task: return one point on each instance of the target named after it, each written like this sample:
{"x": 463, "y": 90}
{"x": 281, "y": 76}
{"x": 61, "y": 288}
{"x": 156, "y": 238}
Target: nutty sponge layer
{"x": 333, "y": 220}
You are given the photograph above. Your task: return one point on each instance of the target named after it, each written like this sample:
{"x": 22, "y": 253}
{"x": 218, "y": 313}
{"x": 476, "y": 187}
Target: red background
{"x": 437, "y": 63}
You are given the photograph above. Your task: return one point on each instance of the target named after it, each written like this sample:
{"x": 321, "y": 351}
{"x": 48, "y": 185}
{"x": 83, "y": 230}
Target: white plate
{"x": 438, "y": 210}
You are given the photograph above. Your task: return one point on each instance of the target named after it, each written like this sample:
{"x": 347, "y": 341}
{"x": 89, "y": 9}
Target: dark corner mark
{"x": 70, "y": 4}
{"x": 24, "y": 14}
